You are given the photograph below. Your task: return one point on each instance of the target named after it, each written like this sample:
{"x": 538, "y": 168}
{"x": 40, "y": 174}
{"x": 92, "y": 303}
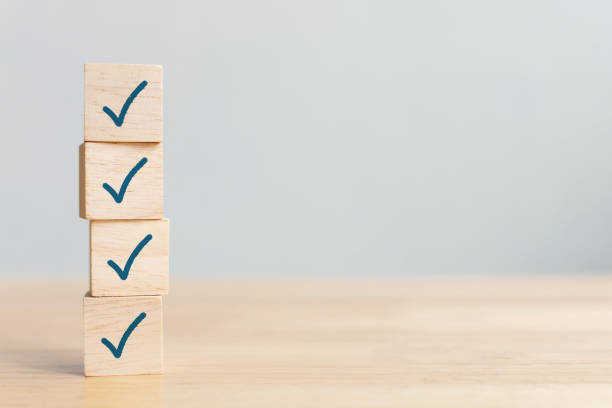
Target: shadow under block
{"x": 138, "y": 248}
{"x": 111, "y": 86}
{"x": 138, "y": 187}
{"x": 136, "y": 339}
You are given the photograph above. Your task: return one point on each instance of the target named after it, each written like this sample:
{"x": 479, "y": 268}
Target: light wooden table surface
{"x": 471, "y": 342}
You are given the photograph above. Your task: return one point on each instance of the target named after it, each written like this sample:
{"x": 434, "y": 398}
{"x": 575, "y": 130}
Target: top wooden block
{"x": 123, "y": 103}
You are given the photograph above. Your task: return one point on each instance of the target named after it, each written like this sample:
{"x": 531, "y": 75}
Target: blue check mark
{"x": 119, "y": 119}
{"x": 123, "y": 274}
{"x": 118, "y": 197}
{"x": 119, "y": 350}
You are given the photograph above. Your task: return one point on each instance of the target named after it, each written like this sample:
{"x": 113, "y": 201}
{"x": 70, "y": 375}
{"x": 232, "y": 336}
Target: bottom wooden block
{"x": 123, "y": 335}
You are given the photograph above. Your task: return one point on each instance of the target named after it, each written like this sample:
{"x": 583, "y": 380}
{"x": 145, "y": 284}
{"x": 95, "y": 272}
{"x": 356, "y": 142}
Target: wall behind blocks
{"x": 327, "y": 137}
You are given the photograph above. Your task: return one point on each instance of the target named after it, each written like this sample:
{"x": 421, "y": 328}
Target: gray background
{"x": 328, "y": 137}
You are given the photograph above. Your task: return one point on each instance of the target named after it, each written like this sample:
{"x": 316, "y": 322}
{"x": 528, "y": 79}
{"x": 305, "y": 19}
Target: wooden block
{"x": 105, "y": 167}
{"x": 121, "y": 88}
{"x": 128, "y": 258}
{"x": 123, "y": 335}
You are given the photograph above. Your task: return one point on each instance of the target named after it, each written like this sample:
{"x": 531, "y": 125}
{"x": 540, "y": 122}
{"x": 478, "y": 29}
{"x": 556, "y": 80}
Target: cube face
{"x": 129, "y": 257}
{"x": 121, "y": 89}
{"x": 121, "y": 181}
{"x": 131, "y": 326}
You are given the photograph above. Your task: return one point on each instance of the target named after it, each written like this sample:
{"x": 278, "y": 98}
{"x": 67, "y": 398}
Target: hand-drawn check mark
{"x": 123, "y": 274}
{"x": 119, "y": 350}
{"x": 119, "y": 119}
{"x": 118, "y": 197}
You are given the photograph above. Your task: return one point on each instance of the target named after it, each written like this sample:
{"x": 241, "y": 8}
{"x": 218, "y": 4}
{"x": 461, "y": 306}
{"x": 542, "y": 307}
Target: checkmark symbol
{"x": 118, "y": 197}
{"x": 123, "y": 273}
{"x": 119, "y": 350}
{"x": 119, "y": 119}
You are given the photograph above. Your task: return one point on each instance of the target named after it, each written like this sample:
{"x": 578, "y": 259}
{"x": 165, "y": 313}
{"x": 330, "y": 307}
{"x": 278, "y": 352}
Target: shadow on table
{"x": 115, "y": 391}
{"x": 58, "y": 361}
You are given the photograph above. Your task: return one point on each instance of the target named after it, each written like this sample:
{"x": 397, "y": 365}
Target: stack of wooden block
{"x": 121, "y": 193}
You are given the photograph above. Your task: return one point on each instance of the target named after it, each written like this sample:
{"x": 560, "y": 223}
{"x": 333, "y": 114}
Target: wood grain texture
{"x": 353, "y": 342}
{"x": 110, "y": 163}
{"x": 116, "y": 240}
{"x": 110, "y": 85}
{"x": 109, "y": 317}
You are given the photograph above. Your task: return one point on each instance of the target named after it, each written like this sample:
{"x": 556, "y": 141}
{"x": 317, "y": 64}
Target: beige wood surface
{"x": 110, "y": 85}
{"x": 111, "y": 163}
{"x": 110, "y": 317}
{"x": 352, "y": 342}
{"x": 116, "y": 241}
